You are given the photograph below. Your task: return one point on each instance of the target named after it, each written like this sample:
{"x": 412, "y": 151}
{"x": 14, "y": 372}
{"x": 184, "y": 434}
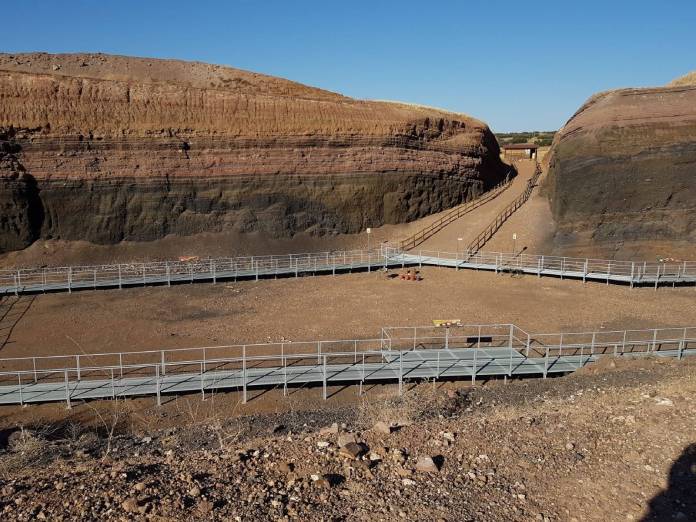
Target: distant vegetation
{"x": 541, "y": 138}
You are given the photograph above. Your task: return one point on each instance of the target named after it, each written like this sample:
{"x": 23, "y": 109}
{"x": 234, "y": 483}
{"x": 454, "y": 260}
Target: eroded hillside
{"x": 622, "y": 168}
{"x": 107, "y": 148}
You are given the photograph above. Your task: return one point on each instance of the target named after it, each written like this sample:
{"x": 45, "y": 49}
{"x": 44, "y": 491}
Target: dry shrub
{"x": 423, "y": 400}
{"x": 206, "y": 418}
{"x": 26, "y": 448}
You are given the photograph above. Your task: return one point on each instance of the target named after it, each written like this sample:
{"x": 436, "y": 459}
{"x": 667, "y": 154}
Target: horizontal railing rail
{"x": 400, "y": 352}
{"x": 33, "y": 280}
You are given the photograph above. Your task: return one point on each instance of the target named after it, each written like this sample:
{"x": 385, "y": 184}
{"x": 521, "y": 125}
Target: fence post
{"x": 541, "y": 266}
{"x": 70, "y": 280}
{"x": 164, "y": 366}
{"x": 682, "y": 346}
{"x": 18, "y": 282}
{"x": 144, "y": 280}
{"x": 546, "y": 362}
{"x": 657, "y": 277}
{"x": 213, "y": 271}
{"x": 401, "y": 373}
{"x": 34, "y": 364}
{"x": 473, "y": 369}
{"x": 584, "y": 274}
{"x": 77, "y": 359}
{"x": 362, "y": 380}
{"x": 654, "y": 340}
{"x": 21, "y": 396}
{"x": 120, "y": 280}
{"x": 633, "y": 269}
{"x": 244, "y": 379}
{"x": 528, "y": 343}
{"x": 318, "y": 352}
{"x": 157, "y": 384}
{"x": 113, "y": 388}
{"x": 285, "y": 376}
{"x": 324, "y": 380}
{"x": 202, "y": 383}
{"x": 67, "y": 389}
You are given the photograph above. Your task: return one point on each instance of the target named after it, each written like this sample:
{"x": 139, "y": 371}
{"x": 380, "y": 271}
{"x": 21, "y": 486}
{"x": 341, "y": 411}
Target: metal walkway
{"x": 67, "y": 279}
{"x": 400, "y": 354}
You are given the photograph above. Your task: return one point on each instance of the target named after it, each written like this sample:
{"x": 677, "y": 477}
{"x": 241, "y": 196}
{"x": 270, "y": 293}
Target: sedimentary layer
{"x": 107, "y": 148}
{"x": 624, "y": 168}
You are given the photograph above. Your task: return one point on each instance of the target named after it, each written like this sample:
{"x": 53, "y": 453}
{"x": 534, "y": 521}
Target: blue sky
{"x": 516, "y": 65}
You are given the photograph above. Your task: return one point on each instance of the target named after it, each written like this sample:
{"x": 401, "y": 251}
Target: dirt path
{"x": 533, "y": 225}
{"x": 469, "y": 226}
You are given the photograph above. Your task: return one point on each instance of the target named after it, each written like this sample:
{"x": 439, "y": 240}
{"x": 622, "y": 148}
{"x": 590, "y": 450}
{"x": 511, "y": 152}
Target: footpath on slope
{"x": 469, "y": 226}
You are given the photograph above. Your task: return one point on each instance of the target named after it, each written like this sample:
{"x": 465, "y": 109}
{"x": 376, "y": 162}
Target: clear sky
{"x": 516, "y": 65}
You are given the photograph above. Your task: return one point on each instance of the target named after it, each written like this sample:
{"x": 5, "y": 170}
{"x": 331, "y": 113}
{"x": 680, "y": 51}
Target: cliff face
{"x": 107, "y": 148}
{"x": 623, "y": 168}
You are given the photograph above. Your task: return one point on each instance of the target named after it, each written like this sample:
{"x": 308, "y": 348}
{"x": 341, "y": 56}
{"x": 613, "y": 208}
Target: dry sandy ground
{"x": 324, "y": 307}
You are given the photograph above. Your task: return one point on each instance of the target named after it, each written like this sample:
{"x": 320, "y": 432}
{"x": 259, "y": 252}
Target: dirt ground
{"x": 589, "y": 447}
{"x": 345, "y": 306}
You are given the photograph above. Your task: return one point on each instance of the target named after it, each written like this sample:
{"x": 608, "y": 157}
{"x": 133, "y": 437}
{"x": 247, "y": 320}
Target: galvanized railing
{"x": 604, "y": 270}
{"x": 400, "y": 353}
{"x": 167, "y": 272}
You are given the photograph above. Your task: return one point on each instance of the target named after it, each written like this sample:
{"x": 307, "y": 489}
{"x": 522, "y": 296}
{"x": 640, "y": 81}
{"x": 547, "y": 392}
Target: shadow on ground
{"x": 12, "y": 311}
{"x": 678, "y": 501}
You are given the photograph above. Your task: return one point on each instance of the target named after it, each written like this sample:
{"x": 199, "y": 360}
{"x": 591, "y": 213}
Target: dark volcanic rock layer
{"x": 623, "y": 168}
{"x": 107, "y": 148}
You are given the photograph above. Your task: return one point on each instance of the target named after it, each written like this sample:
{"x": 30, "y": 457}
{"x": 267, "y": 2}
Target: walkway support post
{"x": 67, "y": 389}
{"x": 473, "y": 369}
{"x": 21, "y": 397}
{"x": 401, "y": 373}
{"x": 324, "y": 379}
{"x": 157, "y": 384}
{"x": 244, "y": 377}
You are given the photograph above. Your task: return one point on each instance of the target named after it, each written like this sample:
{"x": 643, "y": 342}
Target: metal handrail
{"x": 428, "y": 231}
{"x": 488, "y": 233}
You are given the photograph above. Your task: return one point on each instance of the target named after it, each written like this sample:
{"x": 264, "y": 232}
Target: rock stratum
{"x": 109, "y": 148}
{"x": 623, "y": 169}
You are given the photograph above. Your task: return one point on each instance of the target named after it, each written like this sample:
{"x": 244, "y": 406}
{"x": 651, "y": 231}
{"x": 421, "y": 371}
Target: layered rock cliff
{"x": 623, "y": 169}
{"x": 107, "y": 148}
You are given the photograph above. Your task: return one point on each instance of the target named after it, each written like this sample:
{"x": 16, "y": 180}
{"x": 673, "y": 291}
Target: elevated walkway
{"x": 400, "y": 354}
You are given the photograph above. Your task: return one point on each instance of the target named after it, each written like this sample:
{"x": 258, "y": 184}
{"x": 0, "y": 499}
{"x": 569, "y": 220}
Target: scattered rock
{"x": 382, "y": 427}
{"x": 346, "y": 438}
{"x": 352, "y": 450}
{"x": 427, "y": 465}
